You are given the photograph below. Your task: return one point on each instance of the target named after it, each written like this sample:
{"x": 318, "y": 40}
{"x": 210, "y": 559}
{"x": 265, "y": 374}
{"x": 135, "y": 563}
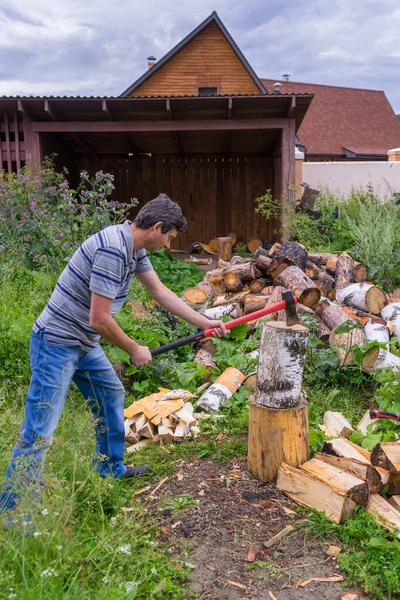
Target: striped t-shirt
{"x": 103, "y": 264}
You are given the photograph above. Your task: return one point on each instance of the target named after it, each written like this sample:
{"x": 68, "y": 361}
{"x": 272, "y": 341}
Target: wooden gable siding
{"x": 216, "y": 193}
{"x": 207, "y": 61}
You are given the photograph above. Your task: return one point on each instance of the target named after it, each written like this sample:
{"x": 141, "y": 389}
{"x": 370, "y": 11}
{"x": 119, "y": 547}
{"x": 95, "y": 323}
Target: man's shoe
{"x": 135, "y": 471}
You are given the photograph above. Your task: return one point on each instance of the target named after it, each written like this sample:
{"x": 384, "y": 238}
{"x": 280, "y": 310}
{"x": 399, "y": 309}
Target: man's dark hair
{"x": 162, "y": 209}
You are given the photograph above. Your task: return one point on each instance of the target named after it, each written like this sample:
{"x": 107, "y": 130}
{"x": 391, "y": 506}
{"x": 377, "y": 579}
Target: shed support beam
{"x": 176, "y": 134}
{"x": 155, "y": 126}
{"x": 288, "y": 141}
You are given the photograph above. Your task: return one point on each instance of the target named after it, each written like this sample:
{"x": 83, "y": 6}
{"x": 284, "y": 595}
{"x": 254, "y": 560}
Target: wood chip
{"x": 251, "y": 554}
{"x": 334, "y": 579}
{"x": 334, "y": 550}
{"x": 158, "y": 487}
{"x": 272, "y": 596}
{"x": 238, "y": 585}
{"x": 269, "y": 543}
{"x": 141, "y": 491}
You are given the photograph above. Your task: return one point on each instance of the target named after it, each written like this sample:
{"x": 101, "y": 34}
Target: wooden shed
{"x": 213, "y": 152}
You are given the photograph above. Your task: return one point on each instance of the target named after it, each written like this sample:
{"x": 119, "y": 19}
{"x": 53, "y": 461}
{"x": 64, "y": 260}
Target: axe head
{"x": 290, "y": 310}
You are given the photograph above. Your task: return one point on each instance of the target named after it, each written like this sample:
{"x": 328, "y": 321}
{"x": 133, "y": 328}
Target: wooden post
{"x": 278, "y": 415}
{"x": 224, "y": 248}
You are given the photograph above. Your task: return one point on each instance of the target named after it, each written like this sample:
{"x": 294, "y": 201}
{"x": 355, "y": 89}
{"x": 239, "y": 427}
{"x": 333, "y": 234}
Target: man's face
{"x": 158, "y": 240}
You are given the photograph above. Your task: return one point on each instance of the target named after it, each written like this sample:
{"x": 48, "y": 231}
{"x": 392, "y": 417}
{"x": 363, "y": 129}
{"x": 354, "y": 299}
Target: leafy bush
{"x": 43, "y": 220}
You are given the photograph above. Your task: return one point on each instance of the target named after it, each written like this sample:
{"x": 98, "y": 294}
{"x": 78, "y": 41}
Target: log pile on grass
{"x": 331, "y": 287}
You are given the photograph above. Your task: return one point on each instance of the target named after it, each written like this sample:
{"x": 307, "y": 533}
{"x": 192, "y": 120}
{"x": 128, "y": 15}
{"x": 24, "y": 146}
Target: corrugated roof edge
{"x": 128, "y": 98}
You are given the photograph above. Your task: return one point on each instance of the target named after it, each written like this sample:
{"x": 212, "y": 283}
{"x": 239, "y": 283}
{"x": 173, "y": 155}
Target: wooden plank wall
{"x": 216, "y": 193}
{"x": 206, "y": 61}
{"x": 12, "y": 143}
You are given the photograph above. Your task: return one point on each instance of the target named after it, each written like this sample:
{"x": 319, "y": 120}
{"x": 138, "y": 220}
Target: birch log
{"x": 377, "y": 332}
{"x": 206, "y": 287}
{"x": 222, "y": 389}
{"x": 196, "y": 298}
{"x": 376, "y": 358}
{"x": 302, "y": 286}
{"x": 218, "y": 312}
{"x": 364, "y": 296}
{"x": 391, "y": 312}
{"x": 280, "y": 367}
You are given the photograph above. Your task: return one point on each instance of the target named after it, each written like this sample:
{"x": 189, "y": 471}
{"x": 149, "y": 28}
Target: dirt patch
{"x": 226, "y": 516}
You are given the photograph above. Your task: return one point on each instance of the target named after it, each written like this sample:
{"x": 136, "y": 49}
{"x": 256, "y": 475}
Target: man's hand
{"x": 140, "y": 356}
{"x": 220, "y": 329}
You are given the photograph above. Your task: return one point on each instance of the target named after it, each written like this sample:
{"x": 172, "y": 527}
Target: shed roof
{"x": 343, "y": 118}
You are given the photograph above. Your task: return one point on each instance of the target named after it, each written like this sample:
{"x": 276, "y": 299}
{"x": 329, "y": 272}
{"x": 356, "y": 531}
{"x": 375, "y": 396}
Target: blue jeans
{"x": 53, "y": 368}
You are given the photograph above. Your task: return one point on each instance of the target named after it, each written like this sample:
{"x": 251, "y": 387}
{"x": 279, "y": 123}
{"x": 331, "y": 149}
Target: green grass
{"x": 84, "y": 545}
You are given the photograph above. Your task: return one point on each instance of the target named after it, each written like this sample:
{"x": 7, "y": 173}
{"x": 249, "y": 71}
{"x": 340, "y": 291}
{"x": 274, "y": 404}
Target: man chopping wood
{"x": 65, "y": 344}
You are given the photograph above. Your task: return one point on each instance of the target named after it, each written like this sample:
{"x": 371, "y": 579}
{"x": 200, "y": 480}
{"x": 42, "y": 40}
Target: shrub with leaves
{"x": 43, "y": 220}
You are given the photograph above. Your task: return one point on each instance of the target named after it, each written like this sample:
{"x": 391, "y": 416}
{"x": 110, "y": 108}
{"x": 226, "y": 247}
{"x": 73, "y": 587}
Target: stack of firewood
{"x": 331, "y": 287}
{"x": 344, "y": 475}
{"x": 165, "y": 415}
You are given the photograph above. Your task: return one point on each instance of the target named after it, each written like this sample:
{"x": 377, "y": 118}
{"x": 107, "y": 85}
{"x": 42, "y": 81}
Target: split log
{"x": 276, "y": 436}
{"x": 337, "y": 425}
{"x": 345, "y": 448}
{"x": 302, "y": 286}
{"x": 344, "y": 270}
{"x": 218, "y": 312}
{"x": 233, "y": 283}
{"x": 345, "y": 342}
{"x": 224, "y": 248}
{"x": 320, "y": 259}
{"x": 206, "y": 287}
{"x": 276, "y": 296}
{"x": 312, "y": 493}
{"x": 364, "y": 296}
{"x": 221, "y": 390}
{"x": 387, "y": 456}
{"x": 280, "y": 367}
{"x": 342, "y": 482}
{"x": 274, "y": 249}
{"x": 376, "y": 358}
{"x": 377, "y": 332}
{"x": 326, "y": 285}
{"x": 253, "y": 243}
{"x": 196, "y": 299}
{"x": 360, "y": 272}
{"x": 364, "y": 422}
{"x": 253, "y": 302}
{"x": 384, "y": 513}
{"x": 395, "y": 501}
{"x": 363, "y": 470}
{"x": 290, "y": 253}
{"x": 391, "y": 312}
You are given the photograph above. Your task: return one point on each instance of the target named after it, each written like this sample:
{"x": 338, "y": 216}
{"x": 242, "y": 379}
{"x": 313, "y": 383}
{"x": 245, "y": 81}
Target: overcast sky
{"x": 98, "y": 47}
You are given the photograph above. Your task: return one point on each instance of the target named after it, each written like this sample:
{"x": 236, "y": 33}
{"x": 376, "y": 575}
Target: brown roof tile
{"x": 341, "y": 117}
